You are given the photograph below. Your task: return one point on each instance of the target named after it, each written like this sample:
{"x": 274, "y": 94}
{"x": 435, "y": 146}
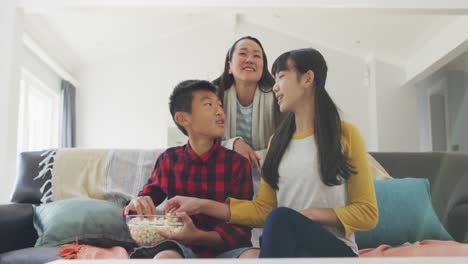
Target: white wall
{"x": 456, "y": 89}
{"x": 458, "y": 109}
{"x": 435, "y": 83}
{"x": 397, "y": 110}
{"x": 123, "y": 102}
{"x": 345, "y": 80}
{"x": 454, "y": 85}
{"x": 10, "y": 32}
{"x": 461, "y": 128}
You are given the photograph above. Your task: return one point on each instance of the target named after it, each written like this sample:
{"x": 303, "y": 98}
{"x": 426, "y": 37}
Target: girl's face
{"x": 247, "y": 61}
{"x": 290, "y": 88}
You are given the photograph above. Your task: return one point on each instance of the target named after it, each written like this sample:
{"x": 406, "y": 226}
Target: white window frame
{"x": 29, "y": 85}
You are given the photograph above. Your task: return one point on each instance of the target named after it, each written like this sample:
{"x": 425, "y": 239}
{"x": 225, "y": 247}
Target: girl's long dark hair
{"x": 334, "y": 165}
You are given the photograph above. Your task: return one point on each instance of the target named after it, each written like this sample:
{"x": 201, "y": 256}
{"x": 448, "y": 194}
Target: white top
{"x": 300, "y": 185}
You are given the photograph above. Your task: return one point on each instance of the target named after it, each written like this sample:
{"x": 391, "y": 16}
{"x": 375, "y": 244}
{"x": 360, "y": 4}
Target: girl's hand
{"x": 189, "y": 205}
{"x": 189, "y": 234}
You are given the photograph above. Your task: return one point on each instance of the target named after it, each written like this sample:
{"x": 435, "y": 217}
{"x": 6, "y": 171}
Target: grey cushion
{"x": 32, "y": 255}
{"x": 94, "y": 222}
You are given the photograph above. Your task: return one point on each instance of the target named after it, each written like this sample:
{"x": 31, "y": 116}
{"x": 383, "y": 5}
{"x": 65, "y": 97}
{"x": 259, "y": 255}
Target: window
{"x": 38, "y": 126}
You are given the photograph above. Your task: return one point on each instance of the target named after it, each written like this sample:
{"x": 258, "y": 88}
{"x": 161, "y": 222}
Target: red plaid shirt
{"x": 216, "y": 175}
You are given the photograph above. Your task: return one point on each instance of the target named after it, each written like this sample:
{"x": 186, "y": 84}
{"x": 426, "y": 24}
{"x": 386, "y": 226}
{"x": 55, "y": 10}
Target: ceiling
{"x": 91, "y": 33}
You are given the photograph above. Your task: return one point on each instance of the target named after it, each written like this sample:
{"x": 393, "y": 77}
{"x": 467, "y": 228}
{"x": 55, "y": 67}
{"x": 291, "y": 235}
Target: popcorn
{"x": 143, "y": 229}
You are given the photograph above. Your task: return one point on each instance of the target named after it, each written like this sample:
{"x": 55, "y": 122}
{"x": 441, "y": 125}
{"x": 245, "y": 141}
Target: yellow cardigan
{"x": 362, "y": 212}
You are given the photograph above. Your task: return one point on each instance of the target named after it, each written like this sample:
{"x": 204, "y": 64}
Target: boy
{"x": 202, "y": 168}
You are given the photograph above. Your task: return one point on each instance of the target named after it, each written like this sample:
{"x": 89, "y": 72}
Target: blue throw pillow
{"x": 94, "y": 222}
{"x": 405, "y": 214}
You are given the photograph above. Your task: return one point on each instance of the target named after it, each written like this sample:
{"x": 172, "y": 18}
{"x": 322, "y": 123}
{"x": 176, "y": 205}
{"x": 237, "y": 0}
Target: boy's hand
{"x": 142, "y": 205}
{"x": 189, "y": 234}
{"x": 189, "y": 205}
{"x": 245, "y": 150}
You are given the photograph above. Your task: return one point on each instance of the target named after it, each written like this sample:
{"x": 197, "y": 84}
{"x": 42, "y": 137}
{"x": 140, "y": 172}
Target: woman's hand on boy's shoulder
{"x": 245, "y": 150}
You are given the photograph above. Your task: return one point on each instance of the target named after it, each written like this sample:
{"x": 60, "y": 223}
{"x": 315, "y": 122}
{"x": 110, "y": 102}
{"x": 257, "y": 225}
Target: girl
{"x": 315, "y": 170}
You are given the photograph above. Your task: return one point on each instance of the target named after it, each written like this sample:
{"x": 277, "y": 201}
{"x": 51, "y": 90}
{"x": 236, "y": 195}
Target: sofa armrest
{"x": 457, "y": 224}
{"x": 16, "y": 227}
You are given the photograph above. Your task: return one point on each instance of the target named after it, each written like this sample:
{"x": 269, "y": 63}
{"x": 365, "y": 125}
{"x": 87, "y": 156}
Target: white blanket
{"x": 113, "y": 175}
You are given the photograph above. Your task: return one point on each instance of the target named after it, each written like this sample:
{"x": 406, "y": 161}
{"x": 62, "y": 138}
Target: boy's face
{"x": 207, "y": 117}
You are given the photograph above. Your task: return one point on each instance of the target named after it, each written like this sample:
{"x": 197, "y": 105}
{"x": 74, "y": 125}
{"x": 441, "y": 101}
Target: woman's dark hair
{"x": 334, "y": 165}
{"x": 226, "y": 79}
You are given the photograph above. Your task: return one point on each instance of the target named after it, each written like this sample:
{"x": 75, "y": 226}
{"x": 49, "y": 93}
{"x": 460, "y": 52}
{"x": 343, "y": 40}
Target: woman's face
{"x": 247, "y": 61}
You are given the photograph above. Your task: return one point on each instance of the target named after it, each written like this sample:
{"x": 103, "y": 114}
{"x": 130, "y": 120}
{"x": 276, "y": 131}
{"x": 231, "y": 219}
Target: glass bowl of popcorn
{"x": 144, "y": 228}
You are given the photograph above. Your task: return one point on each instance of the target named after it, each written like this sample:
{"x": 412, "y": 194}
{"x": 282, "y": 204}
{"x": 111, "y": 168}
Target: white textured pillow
{"x": 376, "y": 170}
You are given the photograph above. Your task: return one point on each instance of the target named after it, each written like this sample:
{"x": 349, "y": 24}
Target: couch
{"x": 446, "y": 172}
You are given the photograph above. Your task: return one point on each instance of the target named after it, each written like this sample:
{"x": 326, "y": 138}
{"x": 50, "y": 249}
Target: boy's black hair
{"x": 182, "y": 95}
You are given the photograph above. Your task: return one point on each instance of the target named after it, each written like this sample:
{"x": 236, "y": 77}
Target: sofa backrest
{"x": 444, "y": 171}
{"x": 118, "y": 164}
{"x": 27, "y": 190}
